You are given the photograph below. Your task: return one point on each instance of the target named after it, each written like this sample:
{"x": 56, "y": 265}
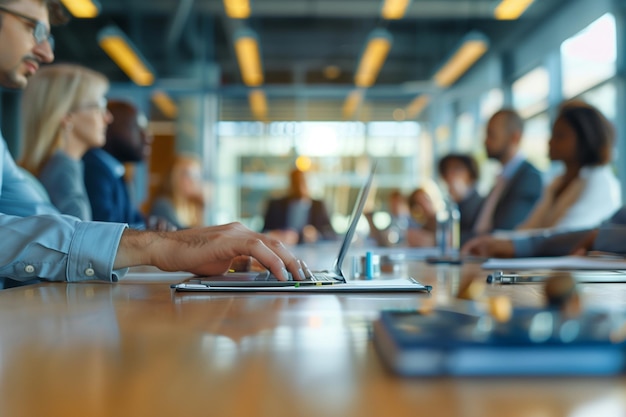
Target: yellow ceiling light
{"x": 165, "y": 104}
{"x": 237, "y": 9}
{"x": 353, "y": 101}
{"x": 417, "y": 106}
{"x": 82, "y": 8}
{"x": 394, "y": 9}
{"x": 511, "y": 9}
{"x": 125, "y": 55}
{"x": 258, "y": 104}
{"x": 472, "y": 48}
{"x": 249, "y": 58}
{"x": 373, "y": 58}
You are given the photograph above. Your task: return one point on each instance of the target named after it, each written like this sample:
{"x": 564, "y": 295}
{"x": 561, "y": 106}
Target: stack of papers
{"x": 589, "y": 263}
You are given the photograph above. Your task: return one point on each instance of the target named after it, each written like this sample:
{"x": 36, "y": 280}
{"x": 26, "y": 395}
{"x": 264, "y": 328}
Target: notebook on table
{"x": 533, "y": 342}
{"x": 321, "y": 281}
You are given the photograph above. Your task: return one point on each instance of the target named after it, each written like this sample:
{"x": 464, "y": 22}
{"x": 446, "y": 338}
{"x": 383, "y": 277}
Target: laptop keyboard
{"x": 320, "y": 276}
{"x": 316, "y": 277}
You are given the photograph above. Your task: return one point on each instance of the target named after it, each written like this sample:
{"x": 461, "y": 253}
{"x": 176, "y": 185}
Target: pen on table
{"x": 498, "y": 277}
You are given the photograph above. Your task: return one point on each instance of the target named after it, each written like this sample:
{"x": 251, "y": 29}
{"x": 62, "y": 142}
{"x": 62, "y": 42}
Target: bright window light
{"x": 590, "y": 56}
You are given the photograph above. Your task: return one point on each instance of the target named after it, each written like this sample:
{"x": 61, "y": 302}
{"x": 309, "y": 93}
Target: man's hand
{"x": 487, "y": 246}
{"x": 205, "y": 251}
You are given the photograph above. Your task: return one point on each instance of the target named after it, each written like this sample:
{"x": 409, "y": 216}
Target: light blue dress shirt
{"x": 18, "y": 196}
{"x": 50, "y": 246}
{"x": 512, "y": 166}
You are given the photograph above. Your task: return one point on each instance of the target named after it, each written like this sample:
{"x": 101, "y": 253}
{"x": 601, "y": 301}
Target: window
{"x": 491, "y": 102}
{"x": 589, "y": 57}
{"x": 537, "y": 132}
{"x": 604, "y": 98}
{"x": 254, "y": 158}
{"x": 465, "y": 132}
{"x": 530, "y": 92}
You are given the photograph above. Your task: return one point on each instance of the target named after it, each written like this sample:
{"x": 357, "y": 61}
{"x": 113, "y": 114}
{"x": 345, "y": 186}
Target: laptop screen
{"x": 356, "y": 215}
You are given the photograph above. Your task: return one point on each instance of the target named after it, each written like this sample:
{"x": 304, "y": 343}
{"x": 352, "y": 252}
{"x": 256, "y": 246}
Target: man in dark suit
{"x": 518, "y": 187}
{"x": 104, "y": 170}
{"x": 296, "y": 217}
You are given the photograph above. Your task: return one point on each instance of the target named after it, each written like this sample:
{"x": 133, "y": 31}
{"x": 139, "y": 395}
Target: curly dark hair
{"x": 595, "y": 134}
{"x": 468, "y": 161}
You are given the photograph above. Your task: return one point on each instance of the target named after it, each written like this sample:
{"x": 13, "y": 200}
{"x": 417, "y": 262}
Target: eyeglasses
{"x": 40, "y": 31}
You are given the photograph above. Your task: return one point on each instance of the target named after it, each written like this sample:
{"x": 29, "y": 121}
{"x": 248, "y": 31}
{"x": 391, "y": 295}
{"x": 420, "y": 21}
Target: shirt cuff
{"x": 93, "y": 250}
{"x": 611, "y": 238}
{"x": 522, "y": 247}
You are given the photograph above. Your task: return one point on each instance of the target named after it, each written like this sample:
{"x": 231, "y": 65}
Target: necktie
{"x": 484, "y": 223}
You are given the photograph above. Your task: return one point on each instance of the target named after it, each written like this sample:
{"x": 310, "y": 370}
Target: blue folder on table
{"x": 534, "y": 342}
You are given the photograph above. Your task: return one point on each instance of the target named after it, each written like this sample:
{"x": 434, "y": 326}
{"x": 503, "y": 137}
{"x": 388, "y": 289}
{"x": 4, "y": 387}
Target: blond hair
{"x": 52, "y": 93}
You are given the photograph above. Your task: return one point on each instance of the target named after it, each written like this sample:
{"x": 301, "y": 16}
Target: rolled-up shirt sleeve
{"x": 58, "y": 248}
{"x": 549, "y": 243}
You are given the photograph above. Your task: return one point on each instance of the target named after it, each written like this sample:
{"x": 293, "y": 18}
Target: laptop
{"x": 266, "y": 279}
{"x": 257, "y": 280}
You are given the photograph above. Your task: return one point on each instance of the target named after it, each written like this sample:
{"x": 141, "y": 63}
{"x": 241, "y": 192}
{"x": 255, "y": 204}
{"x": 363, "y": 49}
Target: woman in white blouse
{"x": 588, "y": 192}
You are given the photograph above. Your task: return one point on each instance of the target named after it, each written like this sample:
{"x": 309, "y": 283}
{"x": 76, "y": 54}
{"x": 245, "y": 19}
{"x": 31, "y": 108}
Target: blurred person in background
{"x": 399, "y": 219}
{"x": 127, "y": 141}
{"x": 296, "y": 217}
{"x": 587, "y": 193}
{"x": 518, "y": 187}
{"x": 460, "y": 173}
{"x": 181, "y": 200}
{"x": 64, "y": 115}
{"x": 579, "y": 200}
{"x": 423, "y": 224}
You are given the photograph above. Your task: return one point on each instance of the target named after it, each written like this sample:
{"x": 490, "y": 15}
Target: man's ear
{"x": 516, "y": 138}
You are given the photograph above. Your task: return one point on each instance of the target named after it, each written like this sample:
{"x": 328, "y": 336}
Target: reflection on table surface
{"x": 136, "y": 349}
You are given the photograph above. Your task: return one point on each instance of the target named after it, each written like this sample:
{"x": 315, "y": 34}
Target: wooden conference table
{"x": 138, "y": 349}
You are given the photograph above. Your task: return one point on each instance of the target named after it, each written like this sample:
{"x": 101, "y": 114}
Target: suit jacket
{"x": 107, "y": 190}
{"x": 522, "y": 192}
{"x": 469, "y": 208}
{"x": 276, "y": 217}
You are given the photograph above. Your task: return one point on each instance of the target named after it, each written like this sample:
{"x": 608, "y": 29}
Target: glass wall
{"x": 535, "y": 142}
{"x": 255, "y": 159}
{"x": 604, "y": 98}
{"x": 530, "y": 92}
{"x": 491, "y": 102}
{"x": 589, "y": 57}
{"x": 466, "y": 139}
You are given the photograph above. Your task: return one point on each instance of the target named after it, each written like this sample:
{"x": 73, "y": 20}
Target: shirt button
{"x": 29, "y": 269}
{"x": 90, "y": 272}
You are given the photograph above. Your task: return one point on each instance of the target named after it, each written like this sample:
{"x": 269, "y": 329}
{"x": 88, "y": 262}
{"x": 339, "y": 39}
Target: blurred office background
{"x": 253, "y": 87}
